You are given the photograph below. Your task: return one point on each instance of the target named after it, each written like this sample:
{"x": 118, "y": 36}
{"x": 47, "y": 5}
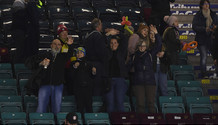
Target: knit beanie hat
{"x": 170, "y": 20}
{"x": 61, "y": 28}
{"x": 81, "y": 49}
{"x": 141, "y": 27}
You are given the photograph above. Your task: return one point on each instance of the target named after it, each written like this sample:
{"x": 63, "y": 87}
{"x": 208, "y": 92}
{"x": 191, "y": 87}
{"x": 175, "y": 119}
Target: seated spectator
{"x": 71, "y": 119}
{"x": 83, "y": 73}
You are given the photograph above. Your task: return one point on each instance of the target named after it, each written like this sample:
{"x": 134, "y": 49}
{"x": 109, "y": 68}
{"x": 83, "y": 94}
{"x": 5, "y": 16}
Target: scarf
{"x": 206, "y": 14}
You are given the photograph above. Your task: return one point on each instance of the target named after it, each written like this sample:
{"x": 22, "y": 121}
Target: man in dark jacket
{"x": 203, "y": 23}
{"x": 51, "y": 75}
{"x": 160, "y": 8}
{"x": 97, "y": 53}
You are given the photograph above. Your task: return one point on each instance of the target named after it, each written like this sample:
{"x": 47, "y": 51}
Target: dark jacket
{"x": 82, "y": 75}
{"x": 171, "y": 39}
{"x": 199, "y": 26}
{"x": 54, "y": 74}
{"x": 120, "y": 54}
{"x": 19, "y": 18}
{"x": 214, "y": 49}
{"x": 143, "y": 66}
{"x": 164, "y": 64}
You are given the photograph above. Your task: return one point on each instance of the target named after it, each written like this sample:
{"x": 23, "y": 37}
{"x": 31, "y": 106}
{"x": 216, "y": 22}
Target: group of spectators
{"x": 108, "y": 58}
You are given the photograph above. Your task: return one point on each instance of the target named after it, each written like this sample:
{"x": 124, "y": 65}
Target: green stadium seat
{"x": 41, "y": 118}
{"x": 97, "y": 118}
{"x": 13, "y": 118}
{"x": 62, "y": 116}
{"x": 11, "y": 104}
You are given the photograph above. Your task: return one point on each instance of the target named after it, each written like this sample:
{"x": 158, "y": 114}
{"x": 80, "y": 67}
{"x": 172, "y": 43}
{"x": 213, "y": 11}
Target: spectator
{"x": 214, "y": 52}
{"x": 83, "y": 73}
{"x": 117, "y": 72}
{"x": 50, "y": 76}
{"x": 171, "y": 39}
{"x": 71, "y": 119}
{"x": 97, "y": 54}
{"x": 160, "y": 8}
{"x": 144, "y": 80}
{"x": 25, "y": 29}
{"x": 160, "y": 65}
{"x": 203, "y": 24}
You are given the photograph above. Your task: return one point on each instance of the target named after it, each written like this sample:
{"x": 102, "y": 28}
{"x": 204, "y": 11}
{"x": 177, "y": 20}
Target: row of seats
{"x": 107, "y": 119}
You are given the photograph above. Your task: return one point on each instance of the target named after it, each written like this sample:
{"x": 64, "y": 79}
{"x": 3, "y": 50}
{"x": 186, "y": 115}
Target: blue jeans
{"x": 203, "y": 58}
{"x": 161, "y": 82}
{"x": 45, "y": 92}
{"x": 115, "y": 98}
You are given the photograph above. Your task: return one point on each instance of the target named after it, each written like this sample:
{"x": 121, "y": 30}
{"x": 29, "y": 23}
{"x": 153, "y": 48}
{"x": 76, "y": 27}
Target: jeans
{"x": 45, "y": 92}
{"x": 115, "y": 97}
{"x": 161, "y": 82}
{"x": 203, "y": 58}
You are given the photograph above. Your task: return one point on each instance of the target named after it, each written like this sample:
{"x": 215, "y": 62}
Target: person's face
{"x": 142, "y": 47}
{"x": 144, "y": 32}
{"x": 100, "y": 26}
{"x": 205, "y": 6}
{"x": 152, "y": 36}
{"x": 56, "y": 45}
{"x": 79, "y": 54}
{"x": 63, "y": 35}
{"x": 114, "y": 44}
{"x": 176, "y": 23}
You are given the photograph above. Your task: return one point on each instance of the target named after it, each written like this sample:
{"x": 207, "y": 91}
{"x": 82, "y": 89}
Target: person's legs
{"x": 88, "y": 99}
{"x": 120, "y": 92}
{"x": 203, "y": 59}
{"x": 163, "y": 83}
{"x": 150, "y": 96}
{"x": 110, "y": 97}
{"x": 43, "y": 98}
{"x": 139, "y": 92}
{"x": 56, "y": 98}
{"x": 79, "y": 95}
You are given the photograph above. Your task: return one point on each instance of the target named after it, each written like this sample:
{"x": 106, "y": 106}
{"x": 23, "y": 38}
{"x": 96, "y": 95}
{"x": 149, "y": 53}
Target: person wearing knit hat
{"x": 83, "y": 73}
{"x": 71, "y": 119}
{"x": 171, "y": 39}
{"x": 171, "y": 20}
{"x": 61, "y": 28}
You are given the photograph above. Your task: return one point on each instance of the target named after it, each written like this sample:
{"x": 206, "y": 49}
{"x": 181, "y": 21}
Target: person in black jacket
{"x": 83, "y": 73}
{"x": 214, "y": 50}
{"x": 97, "y": 53}
{"x": 171, "y": 39}
{"x": 160, "y": 8}
{"x": 51, "y": 76}
{"x": 203, "y": 24}
{"x": 117, "y": 72}
{"x": 144, "y": 85}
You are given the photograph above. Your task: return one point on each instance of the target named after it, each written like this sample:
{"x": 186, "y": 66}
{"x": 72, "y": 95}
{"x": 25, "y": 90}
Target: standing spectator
{"x": 160, "y": 65}
{"x": 214, "y": 51}
{"x": 203, "y": 24}
{"x": 51, "y": 65}
{"x": 171, "y": 39}
{"x": 25, "y": 29}
{"x": 97, "y": 54}
{"x": 83, "y": 73}
{"x": 160, "y": 8}
{"x": 117, "y": 72}
{"x": 144, "y": 86}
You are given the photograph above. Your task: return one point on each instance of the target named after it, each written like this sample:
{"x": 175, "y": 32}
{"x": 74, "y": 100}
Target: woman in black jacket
{"x": 203, "y": 24}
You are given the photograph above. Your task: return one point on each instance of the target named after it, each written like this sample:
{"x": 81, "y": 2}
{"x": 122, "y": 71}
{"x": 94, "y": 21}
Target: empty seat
{"x": 5, "y": 71}
{"x": 30, "y": 103}
{"x": 45, "y": 40}
{"x": 83, "y": 13}
{"x": 13, "y": 118}
{"x": 178, "y": 118}
{"x": 59, "y": 12}
{"x": 124, "y": 118}
{"x": 68, "y": 104}
{"x": 41, "y": 118}
{"x": 171, "y": 83}
{"x": 133, "y": 13}
{"x": 44, "y": 27}
{"x": 96, "y": 118}
{"x": 171, "y": 104}
{"x": 11, "y": 104}
{"x": 21, "y": 71}
{"x": 97, "y": 103}
{"x": 171, "y": 91}
{"x": 182, "y": 72}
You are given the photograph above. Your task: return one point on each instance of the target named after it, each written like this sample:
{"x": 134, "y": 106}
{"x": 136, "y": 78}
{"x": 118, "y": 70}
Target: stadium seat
{"x": 178, "y": 118}
{"x": 64, "y": 3}
{"x": 147, "y": 118}
{"x": 171, "y": 91}
{"x": 127, "y": 106}
{"x": 68, "y": 104}
{"x": 62, "y": 116}
{"x": 22, "y": 83}
{"x": 44, "y": 27}
{"x": 80, "y": 3}
{"x": 124, "y": 118}
{"x": 96, "y": 118}
{"x": 45, "y": 40}
{"x": 182, "y": 72}
{"x": 171, "y": 104}
{"x": 171, "y": 83}
{"x": 13, "y": 118}
{"x": 83, "y": 13}
{"x": 5, "y": 71}
{"x": 199, "y": 105}
{"x": 133, "y": 13}
{"x": 97, "y": 103}
{"x": 127, "y": 3}
{"x": 8, "y": 87}
{"x": 59, "y": 12}
{"x": 30, "y": 103}
{"x": 21, "y": 71}
{"x": 11, "y": 104}
{"x": 41, "y": 118}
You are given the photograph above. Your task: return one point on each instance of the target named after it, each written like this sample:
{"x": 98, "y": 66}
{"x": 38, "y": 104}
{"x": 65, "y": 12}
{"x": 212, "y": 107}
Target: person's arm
{"x": 132, "y": 43}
